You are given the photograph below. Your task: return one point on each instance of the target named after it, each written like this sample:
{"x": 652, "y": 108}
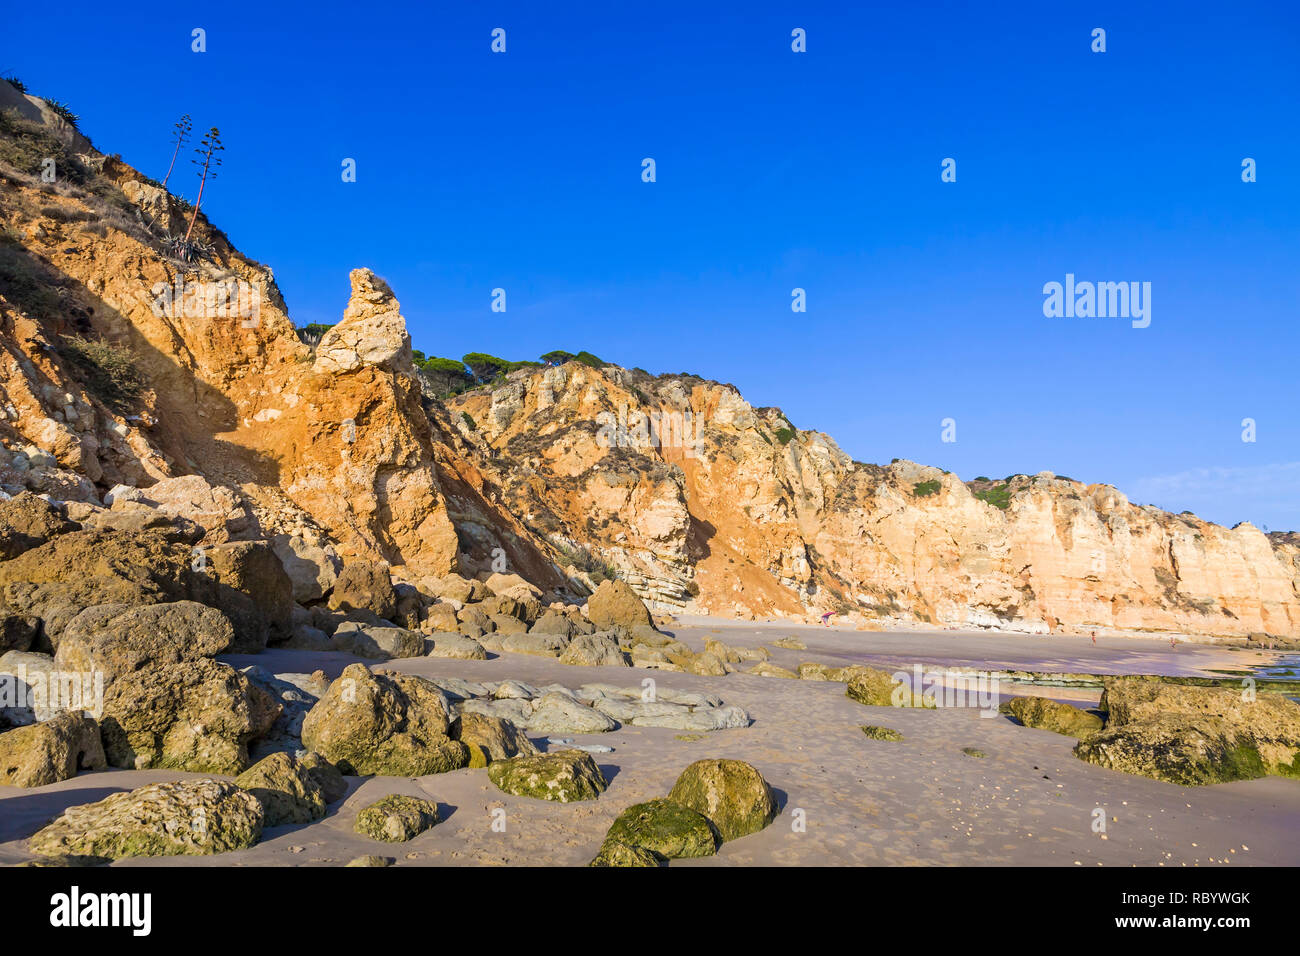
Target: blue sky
{"x": 778, "y": 170}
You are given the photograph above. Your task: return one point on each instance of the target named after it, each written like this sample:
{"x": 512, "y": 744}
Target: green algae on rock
{"x": 192, "y": 817}
{"x": 730, "y": 794}
{"x": 565, "y": 776}
{"x": 881, "y": 733}
{"x": 397, "y": 818}
{"x": 1044, "y": 714}
{"x": 1194, "y": 735}
{"x": 664, "y": 828}
{"x": 877, "y": 688}
{"x": 613, "y": 853}
{"x": 286, "y": 788}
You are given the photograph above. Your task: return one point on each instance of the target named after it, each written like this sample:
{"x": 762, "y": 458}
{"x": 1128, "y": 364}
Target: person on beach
{"x": 1094, "y": 638}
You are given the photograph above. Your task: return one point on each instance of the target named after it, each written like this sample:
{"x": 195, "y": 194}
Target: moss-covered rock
{"x": 1194, "y": 735}
{"x": 194, "y": 715}
{"x": 496, "y": 738}
{"x": 397, "y": 818}
{"x": 370, "y": 859}
{"x": 286, "y": 788}
{"x": 50, "y": 751}
{"x": 1045, "y": 714}
{"x": 731, "y": 794}
{"x": 392, "y": 724}
{"x": 973, "y": 752}
{"x": 613, "y": 853}
{"x": 565, "y": 776}
{"x": 665, "y": 828}
{"x": 877, "y": 688}
{"x": 881, "y": 733}
{"x": 193, "y": 817}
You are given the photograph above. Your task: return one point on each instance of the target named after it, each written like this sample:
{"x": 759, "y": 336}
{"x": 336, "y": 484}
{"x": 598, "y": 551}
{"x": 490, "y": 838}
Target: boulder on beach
{"x": 495, "y": 737}
{"x": 365, "y": 586}
{"x": 556, "y": 713}
{"x": 50, "y": 751}
{"x": 594, "y": 650}
{"x": 191, "y": 817}
{"x": 287, "y": 789}
{"x": 1045, "y": 714}
{"x": 194, "y": 715}
{"x": 665, "y": 828}
{"x": 397, "y": 818}
{"x": 392, "y": 724}
{"x": 565, "y": 776}
{"x": 1194, "y": 735}
{"x": 615, "y": 604}
{"x": 118, "y": 639}
{"x": 731, "y": 794}
{"x": 877, "y": 688}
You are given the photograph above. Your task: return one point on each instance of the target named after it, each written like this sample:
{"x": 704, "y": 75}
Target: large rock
{"x": 384, "y": 724}
{"x": 613, "y": 853}
{"x": 377, "y": 643}
{"x": 312, "y": 567}
{"x": 556, "y": 713}
{"x": 27, "y": 521}
{"x": 565, "y": 776}
{"x": 1194, "y": 735}
{"x": 1045, "y": 714}
{"x": 254, "y": 591}
{"x": 665, "y": 828}
{"x": 18, "y": 633}
{"x": 31, "y": 689}
{"x": 195, "y": 715}
{"x": 876, "y": 688}
{"x": 50, "y": 751}
{"x": 553, "y": 622}
{"x": 595, "y": 650}
{"x": 490, "y": 738}
{"x": 71, "y": 572}
{"x": 372, "y": 333}
{"x": 365, "y": 586}
{"x": 162, "y": 819}
{"x": 397, "y": 818}
{"x": 287, "y": 789}
{"x": 616, "y": 604}
{"x": 456, "y": 647}
{"x": 536, "y": 645}
{"x": 117, "y": 639}
{"x": 220, "y": 512}
{"x": 730, "y": 793}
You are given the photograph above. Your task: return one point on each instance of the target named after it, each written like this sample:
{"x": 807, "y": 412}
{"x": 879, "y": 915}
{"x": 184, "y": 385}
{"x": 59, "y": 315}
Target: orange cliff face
{"x": 697, "y": 499}
{"x": 754, "y": 518}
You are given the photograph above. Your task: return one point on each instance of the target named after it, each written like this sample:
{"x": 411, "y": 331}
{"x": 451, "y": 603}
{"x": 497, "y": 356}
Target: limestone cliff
{"x": 565, "y": 475}
{"x": 703, "y": 501}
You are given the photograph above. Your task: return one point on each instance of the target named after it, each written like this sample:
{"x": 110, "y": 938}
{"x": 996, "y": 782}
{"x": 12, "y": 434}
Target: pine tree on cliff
{"x": 207, "y": 149}
{"x": 181, "y": 137}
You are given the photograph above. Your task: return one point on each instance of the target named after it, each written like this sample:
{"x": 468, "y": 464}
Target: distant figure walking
{"x": 826, "y": 618}
{"x": 1173, "y": 643}
{"x": 1094, "y": 637}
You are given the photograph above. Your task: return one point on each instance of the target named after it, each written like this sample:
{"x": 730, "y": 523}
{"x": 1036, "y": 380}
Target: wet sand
{"x": 921, "y": 801}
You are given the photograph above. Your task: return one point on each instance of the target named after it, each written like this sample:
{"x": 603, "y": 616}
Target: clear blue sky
{"x": 778, "y": 170}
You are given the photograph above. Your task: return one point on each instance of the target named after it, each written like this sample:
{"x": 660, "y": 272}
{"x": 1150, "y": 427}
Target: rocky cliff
{"x": 703, "y": 501}
{"x": 566, "y": 475}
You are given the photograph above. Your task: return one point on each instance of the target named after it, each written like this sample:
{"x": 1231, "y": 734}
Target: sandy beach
{"x": 845, "y": 798}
